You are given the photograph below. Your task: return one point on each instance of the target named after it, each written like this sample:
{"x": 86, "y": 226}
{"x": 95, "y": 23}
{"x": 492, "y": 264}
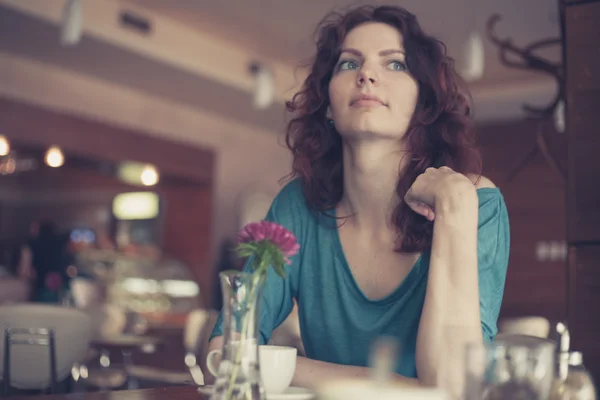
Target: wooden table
{"x": 174, "y": 393}
{"x": 126, "y": 342}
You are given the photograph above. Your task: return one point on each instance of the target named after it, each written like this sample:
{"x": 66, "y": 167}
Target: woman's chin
{"x": 370, "y": 132}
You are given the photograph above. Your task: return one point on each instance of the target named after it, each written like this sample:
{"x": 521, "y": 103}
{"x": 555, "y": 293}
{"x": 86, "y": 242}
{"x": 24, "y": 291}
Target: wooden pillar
{"x": 581, "y": 25}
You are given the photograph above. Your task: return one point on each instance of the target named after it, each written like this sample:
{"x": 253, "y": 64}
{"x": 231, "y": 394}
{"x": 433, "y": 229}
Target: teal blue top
{"x": 338, "y": 322}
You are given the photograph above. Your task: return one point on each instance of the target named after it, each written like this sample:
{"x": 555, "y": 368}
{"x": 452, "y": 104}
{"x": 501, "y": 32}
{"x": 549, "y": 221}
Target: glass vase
{"x": 238, "y": 374}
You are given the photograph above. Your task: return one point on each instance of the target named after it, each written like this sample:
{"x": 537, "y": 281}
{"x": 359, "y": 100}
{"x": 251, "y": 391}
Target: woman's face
{"x": 371, "y": 92}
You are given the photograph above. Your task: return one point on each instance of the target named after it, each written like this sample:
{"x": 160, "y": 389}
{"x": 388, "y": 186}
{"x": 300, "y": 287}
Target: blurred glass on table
{"x": 515, "y": 367}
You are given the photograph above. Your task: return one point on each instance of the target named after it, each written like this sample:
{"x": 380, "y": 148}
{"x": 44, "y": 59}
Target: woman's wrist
{"x": 458, "y": 199}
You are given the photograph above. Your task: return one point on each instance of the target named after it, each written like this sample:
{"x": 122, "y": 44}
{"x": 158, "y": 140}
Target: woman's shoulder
{"x": 291, "y": 194}
{"x": 487, "y": 191}
{"x": 289, "y": 208}
{"x": 482, "y": 182}
{"x": 492, "y": 208}
{"x": 289, "y": 204}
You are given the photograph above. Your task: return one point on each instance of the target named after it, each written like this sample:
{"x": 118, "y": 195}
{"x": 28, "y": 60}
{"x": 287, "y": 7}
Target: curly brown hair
{"x": 440, "y": 133}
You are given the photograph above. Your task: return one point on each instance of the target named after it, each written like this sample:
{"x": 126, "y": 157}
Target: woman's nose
{"x": 366, "y": 75}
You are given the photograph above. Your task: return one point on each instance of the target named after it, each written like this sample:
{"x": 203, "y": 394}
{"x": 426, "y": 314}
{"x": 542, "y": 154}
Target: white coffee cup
{"x": 277, "y": 366}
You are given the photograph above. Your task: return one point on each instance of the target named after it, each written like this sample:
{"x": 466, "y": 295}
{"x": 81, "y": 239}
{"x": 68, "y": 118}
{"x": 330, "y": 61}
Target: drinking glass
{"x": 514, "y": 367}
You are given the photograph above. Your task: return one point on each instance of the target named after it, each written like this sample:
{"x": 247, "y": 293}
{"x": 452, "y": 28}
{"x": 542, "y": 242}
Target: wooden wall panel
{"x": 187, "y": 229}
{"x": 583, "y": 301}
{"x": 70, "y": 196}
{"x": 535, "y": 198}
{"x": 33, "y": 125}
{"x": 582, "y": 51}
{"x": 186, "y": 183}
{"x": 582, "y": 41}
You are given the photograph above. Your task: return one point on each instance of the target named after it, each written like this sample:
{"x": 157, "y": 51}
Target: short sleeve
{"x": 493, "y": 249}
{"x": 287, "y": 209}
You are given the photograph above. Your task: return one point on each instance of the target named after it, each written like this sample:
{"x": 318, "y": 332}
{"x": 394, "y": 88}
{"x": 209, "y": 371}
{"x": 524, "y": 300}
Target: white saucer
{"x": 291, "y": 393}
{"x": 206, "y": 389}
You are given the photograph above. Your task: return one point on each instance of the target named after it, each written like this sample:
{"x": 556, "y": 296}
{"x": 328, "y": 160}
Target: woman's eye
{"x": 348, "y": 64}
{"x": 397, "y": 65}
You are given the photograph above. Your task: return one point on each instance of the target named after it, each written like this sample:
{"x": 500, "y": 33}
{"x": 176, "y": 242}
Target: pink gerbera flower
{"x": 274, "y": 233}
{"x": 270, "y": 243}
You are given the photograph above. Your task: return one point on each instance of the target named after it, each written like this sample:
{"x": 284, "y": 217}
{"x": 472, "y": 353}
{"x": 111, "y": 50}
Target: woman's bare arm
{"x": 312, "y": 373}
{"x": 451, "y": 316}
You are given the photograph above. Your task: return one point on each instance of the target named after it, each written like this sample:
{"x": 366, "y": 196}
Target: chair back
{"x": 30, "y": 365}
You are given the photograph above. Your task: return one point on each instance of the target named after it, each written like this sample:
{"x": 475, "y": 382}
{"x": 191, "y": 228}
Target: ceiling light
{"x": 136, "y": 173}
{"x": 473, "y": 58}
{"x": 149, "y": 175}
{"x": 4, "y": 146}
{"x": 264, "y": 87}
{"x": 136, "y": 205}
{"x": 54, "y": 157}
{"x": 72, "y": 23}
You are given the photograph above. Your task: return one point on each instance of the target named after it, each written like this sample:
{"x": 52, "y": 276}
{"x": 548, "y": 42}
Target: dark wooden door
{"x": 582, "y": 51}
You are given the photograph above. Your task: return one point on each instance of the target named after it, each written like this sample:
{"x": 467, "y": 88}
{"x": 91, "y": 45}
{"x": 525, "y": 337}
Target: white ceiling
{"x": 35, "y": 39}
{"x": 283, "y": 29}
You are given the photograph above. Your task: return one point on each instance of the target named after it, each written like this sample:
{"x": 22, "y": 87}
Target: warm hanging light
{"x": 149, "y": 175}
{"x": 135, "y": 173}
{"x": 264, "y": 87}
{"x": 54, "y": 157}
{"x": 136, "y": 205}
{"x": 72, "y": 23}
{"x": 473, "y": 58}
{"x": 4, "y": 146}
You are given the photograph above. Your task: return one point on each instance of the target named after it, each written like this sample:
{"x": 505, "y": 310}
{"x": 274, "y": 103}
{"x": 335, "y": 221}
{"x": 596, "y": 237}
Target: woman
{"x": 400, "y": 235}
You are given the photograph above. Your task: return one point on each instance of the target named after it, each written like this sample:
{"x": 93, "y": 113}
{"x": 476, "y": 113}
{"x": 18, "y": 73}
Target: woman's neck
{"x": 371, "y": 172}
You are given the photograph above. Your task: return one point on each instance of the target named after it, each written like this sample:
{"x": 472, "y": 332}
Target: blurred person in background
{"x": 50, "y": 259}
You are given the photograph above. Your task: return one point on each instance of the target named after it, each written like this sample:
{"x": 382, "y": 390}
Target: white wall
{"x": 245, "y": 156}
